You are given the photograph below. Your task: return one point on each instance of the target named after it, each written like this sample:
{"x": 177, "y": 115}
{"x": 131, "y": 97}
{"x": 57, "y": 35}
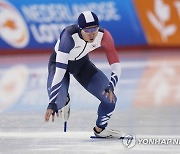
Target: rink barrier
{"x": 33, "y": 25}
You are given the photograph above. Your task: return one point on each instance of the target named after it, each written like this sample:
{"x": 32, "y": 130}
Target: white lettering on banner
{"x": 177, "y": 5}
{"x": 48, "y": 20}
{"x": 109, "y": 14}
{"x": 47, "y": 13}
{"x": 60, "y": 12}
{"x": 46, "y": 32}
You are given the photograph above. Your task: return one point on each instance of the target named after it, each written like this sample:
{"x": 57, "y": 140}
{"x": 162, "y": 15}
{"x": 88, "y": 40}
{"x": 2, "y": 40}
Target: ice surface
{"x": 71, "y": 142}
{"x": 29, "y": 134}
{"x": 23, "y": 130}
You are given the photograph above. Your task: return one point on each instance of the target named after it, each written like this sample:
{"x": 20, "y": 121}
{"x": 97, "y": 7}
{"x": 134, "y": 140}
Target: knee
{"x": 107, "y": 106}
{"x": 107, "y": 101}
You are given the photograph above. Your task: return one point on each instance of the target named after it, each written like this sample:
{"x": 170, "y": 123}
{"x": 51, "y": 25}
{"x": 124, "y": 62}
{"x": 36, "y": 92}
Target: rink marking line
{"x": 129, "y": 64}
{"x": 45, "y": 134}
{"x": 103, "y": 65}
{"x": 78, "y": 140}
{"x": 68, "y": 134}
{"x": 135, "y": 64}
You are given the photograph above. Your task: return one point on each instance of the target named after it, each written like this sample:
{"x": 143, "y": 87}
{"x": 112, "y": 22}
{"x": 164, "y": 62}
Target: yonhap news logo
{"x": 130, "y": 141}
{"x": 13, "y": 29}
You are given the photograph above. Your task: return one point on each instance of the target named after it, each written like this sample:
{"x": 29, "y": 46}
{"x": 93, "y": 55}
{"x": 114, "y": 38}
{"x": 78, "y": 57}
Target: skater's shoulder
{"x": 72, "y": 29}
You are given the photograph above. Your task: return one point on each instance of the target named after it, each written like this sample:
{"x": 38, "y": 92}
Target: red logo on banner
{"x": 13, "y": 29}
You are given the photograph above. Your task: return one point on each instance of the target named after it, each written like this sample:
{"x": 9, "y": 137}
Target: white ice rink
{"x": 23, "y": 130}
{"x": 29, "y": 134}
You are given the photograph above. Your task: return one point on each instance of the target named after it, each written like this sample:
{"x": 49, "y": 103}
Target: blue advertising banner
{"x": 34, "y": 24}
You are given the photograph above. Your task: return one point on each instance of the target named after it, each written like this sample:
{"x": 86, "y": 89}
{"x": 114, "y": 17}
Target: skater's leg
{"x": 96, "y": 87}
{"x": 95, "y": 81}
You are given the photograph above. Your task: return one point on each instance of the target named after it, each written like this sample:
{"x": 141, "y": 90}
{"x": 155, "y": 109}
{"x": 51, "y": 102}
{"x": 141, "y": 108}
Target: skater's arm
{"x": 62, "y": 49}
{"x": 113, "y": 59}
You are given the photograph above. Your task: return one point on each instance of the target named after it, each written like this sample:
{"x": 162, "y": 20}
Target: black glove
{"x": 53, "y": 107}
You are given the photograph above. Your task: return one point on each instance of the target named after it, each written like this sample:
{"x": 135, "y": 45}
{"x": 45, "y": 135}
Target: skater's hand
{"x": 50, "y": 113}
{"x": 51, "y": 110}
{"x": 108, "y": 92}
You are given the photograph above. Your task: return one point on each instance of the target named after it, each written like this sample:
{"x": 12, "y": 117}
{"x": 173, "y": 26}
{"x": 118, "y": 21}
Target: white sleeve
{"x": 116, "y": 68}
{"x": 115, "y": 75}
{"x": 61, "y": 66}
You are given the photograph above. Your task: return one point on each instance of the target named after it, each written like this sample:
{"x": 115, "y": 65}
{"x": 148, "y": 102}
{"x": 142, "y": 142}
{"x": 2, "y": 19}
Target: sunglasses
{"x": 90, "y": 30}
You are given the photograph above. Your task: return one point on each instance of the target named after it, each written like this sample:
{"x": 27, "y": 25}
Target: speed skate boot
{"x": 107, "y": 133}
{"x": 65, "y": 111}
